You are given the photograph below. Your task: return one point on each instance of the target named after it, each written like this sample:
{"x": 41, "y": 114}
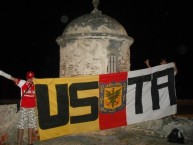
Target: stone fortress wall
{"x": 159, "y": 128}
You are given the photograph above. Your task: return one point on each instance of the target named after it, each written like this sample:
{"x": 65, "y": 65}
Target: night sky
{"x": 29, "y": 29}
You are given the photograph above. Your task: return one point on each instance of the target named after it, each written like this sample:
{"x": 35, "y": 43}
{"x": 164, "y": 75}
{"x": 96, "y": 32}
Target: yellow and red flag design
{"x": 112, "y": 100}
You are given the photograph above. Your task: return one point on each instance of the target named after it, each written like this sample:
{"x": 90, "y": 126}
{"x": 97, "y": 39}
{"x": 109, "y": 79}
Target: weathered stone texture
{"x": 157, "y": 128}
{"x": 89, "y": 41}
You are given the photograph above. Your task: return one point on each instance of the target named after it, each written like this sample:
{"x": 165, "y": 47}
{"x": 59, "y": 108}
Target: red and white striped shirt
{"x": 28, "y": 100}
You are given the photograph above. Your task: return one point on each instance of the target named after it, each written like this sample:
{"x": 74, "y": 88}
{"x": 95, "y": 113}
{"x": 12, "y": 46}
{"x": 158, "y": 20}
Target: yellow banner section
{"x": 82, "y": 95}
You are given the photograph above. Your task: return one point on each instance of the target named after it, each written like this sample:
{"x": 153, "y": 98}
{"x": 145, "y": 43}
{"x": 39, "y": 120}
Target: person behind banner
{"x": 27, "y": 113}
{"x": 162, "y": 61}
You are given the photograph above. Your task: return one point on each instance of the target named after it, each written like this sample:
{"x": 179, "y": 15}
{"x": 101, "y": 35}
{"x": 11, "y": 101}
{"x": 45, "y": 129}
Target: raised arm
{"x": 147, "y": 63}
{"x": 8, "y": 76}
{"x": 175, "y": 69}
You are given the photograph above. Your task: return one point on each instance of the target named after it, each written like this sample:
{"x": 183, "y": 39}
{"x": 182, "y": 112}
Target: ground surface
{"x": 129, "y": 137}
{"x": 121, "y": 138}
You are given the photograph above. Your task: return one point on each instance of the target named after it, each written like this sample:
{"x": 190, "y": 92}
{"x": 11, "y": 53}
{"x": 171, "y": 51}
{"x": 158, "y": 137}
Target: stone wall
{"x": 160, "y": 128}
{"x": 8, "y": 124}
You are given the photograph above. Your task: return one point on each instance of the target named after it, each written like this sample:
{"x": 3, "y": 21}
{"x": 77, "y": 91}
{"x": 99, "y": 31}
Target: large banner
{"x": 71, "y": 105}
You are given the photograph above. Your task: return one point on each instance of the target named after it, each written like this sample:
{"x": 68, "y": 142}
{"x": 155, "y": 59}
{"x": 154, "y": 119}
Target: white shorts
{"x": 27, "y": 118}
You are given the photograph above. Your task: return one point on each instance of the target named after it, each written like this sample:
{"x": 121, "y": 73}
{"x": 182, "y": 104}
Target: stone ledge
{"x": 159, "y": 128}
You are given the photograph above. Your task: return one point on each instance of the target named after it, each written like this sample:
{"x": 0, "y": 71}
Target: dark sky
{"x": 29, "y": 29}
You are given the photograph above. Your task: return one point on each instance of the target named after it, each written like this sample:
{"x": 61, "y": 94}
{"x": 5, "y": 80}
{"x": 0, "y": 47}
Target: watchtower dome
{"x": 94, "y": 44}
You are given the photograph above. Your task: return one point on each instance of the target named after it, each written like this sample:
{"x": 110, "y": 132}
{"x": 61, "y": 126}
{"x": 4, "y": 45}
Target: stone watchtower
{"x": 94, "y": 44}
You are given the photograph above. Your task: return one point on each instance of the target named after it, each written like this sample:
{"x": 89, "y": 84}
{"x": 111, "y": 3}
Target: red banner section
{"x": 112, "y": 100}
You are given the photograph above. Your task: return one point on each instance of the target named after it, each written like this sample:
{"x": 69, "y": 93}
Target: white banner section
{"x": 151, "y": 93}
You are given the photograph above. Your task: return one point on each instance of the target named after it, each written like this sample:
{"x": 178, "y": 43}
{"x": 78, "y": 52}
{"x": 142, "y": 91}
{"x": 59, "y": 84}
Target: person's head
{"x": 163, "y": 61}
{"x": 30, "y": 75}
